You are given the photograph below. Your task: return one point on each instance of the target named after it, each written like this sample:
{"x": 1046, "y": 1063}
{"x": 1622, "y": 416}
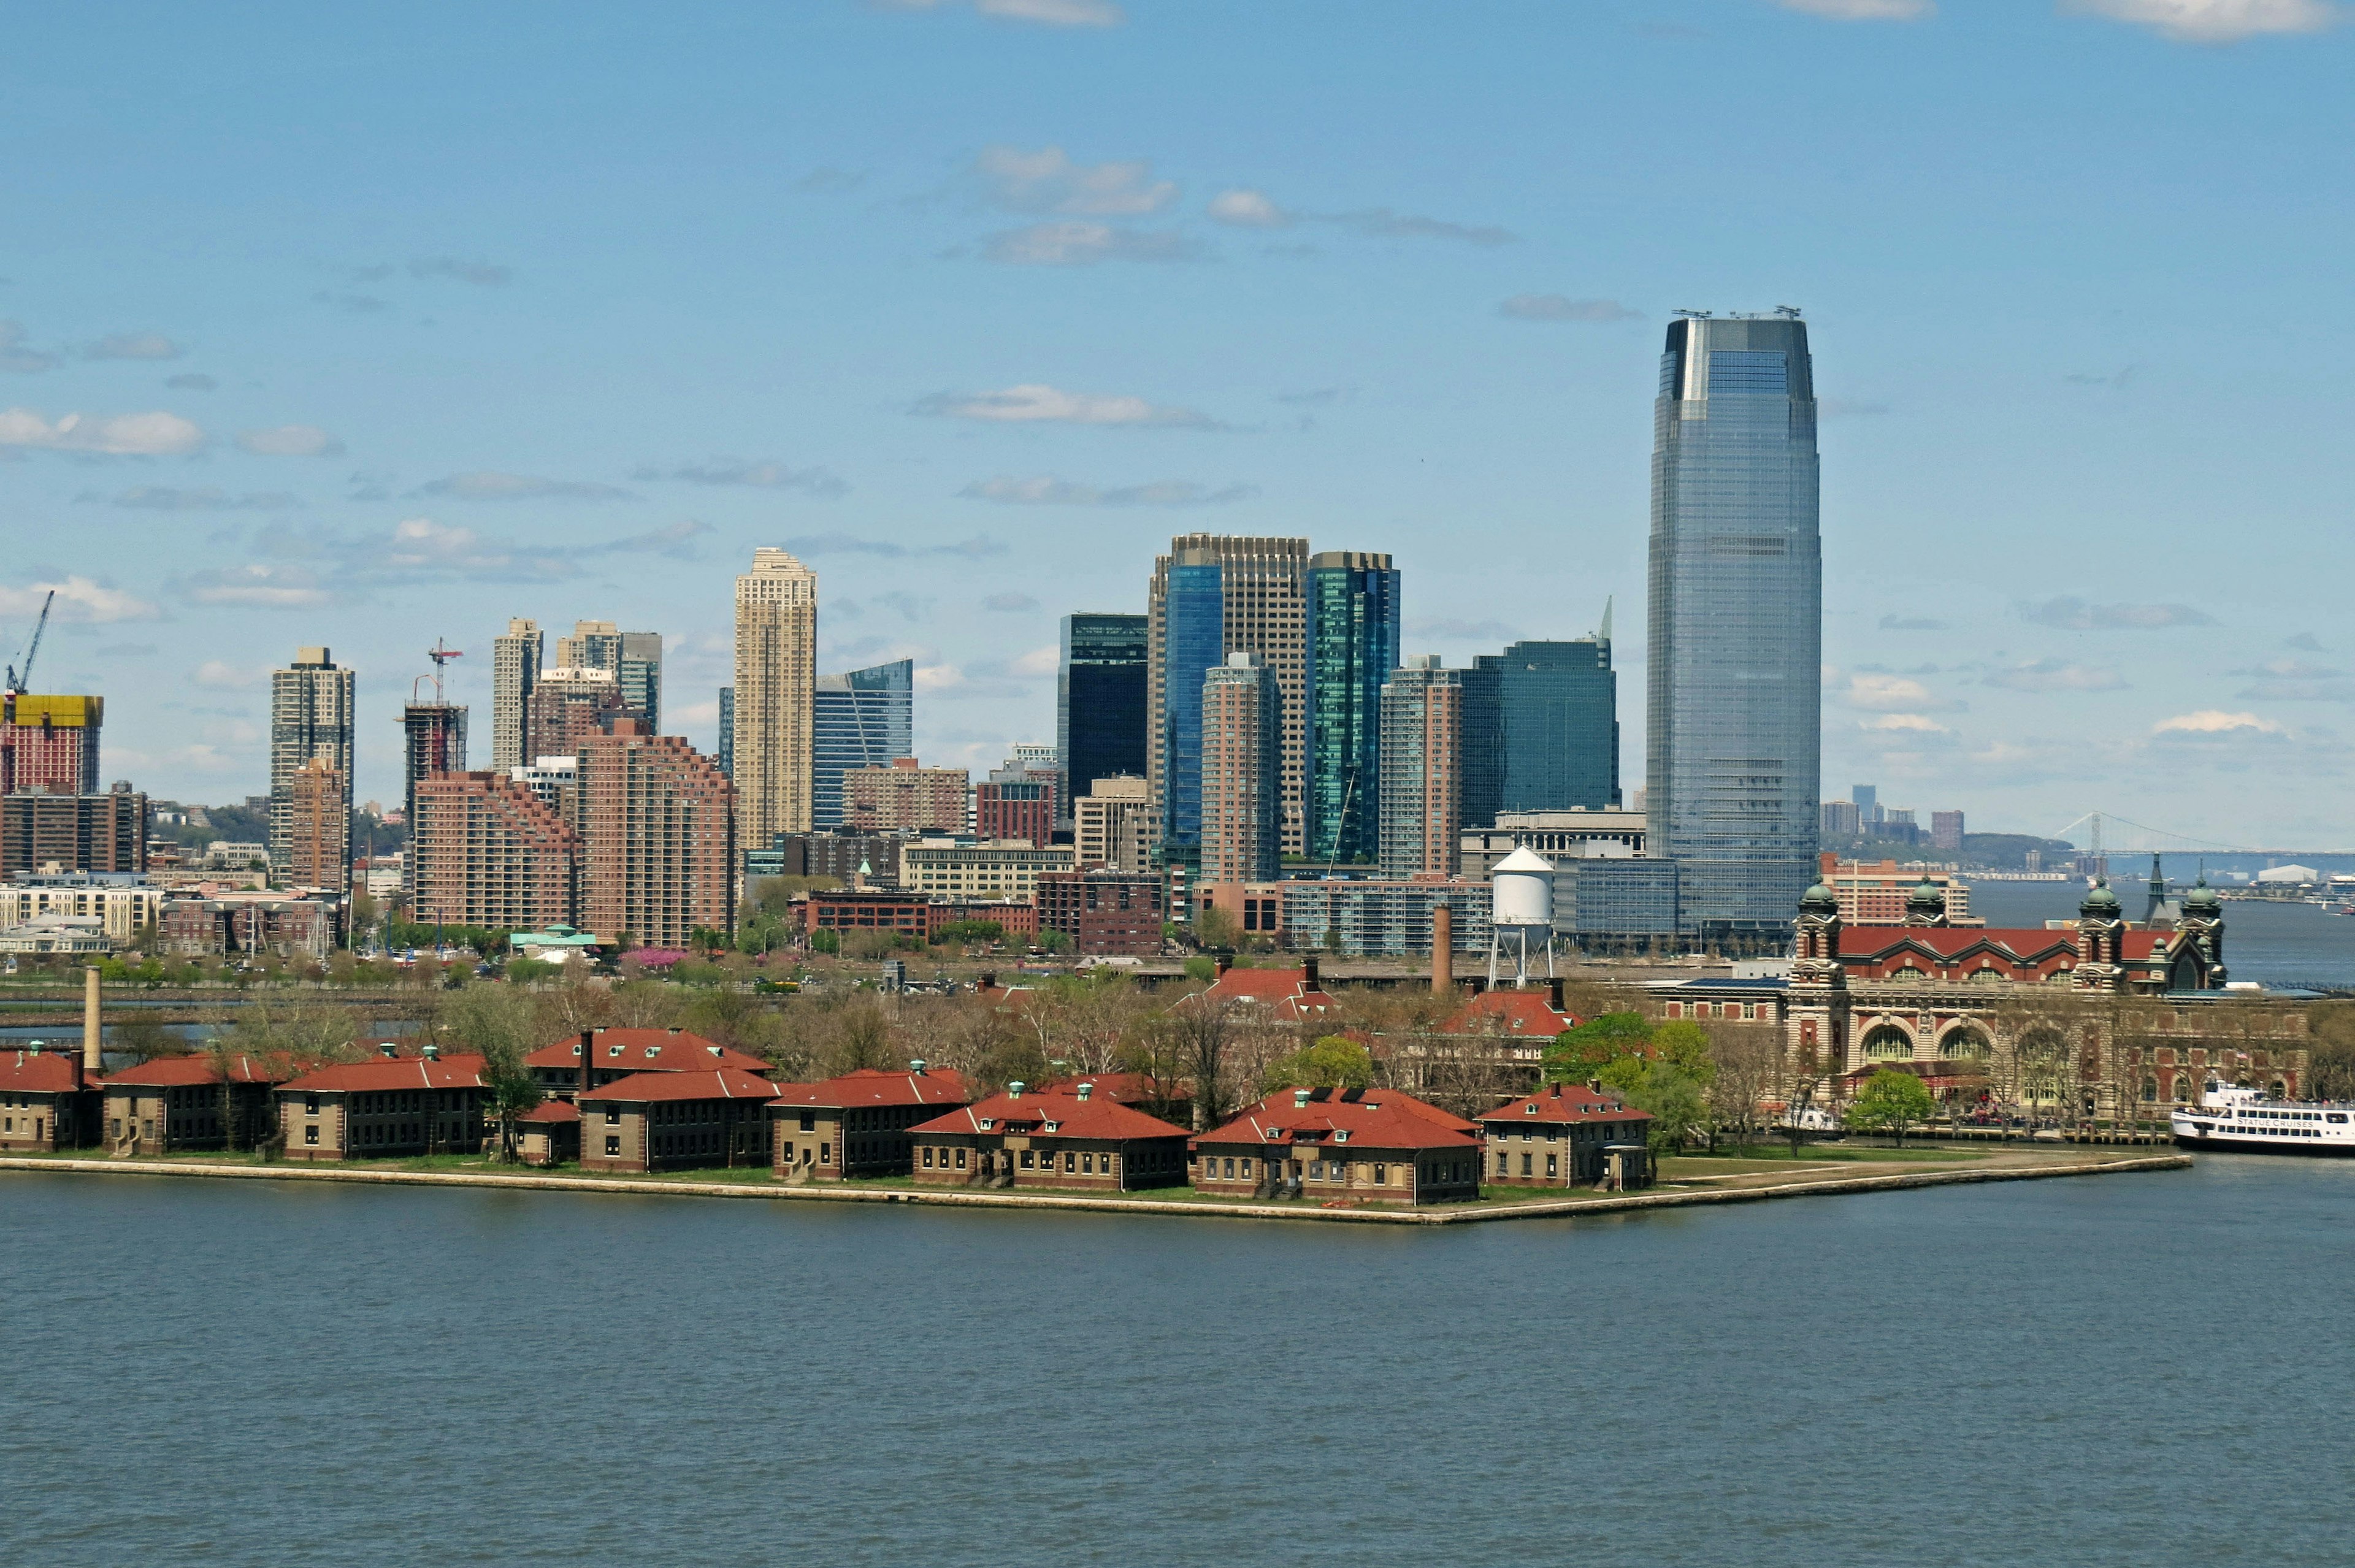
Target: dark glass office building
{"x": 1099, "y": 709}
{"x": 862, "y": 719}
{"x": 1734, "y": 712}
{"x": 1195, "y": 610}
{"x": 1353, "y": 646}
{"x": 1541, "y": 729}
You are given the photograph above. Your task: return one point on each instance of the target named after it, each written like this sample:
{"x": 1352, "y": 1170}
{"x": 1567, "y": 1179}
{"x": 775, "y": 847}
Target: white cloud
{"x": 1556, "y": 307}
{"x": 1044, "y": 13}
{"x": 15, "y": 356}
{"x": 2210, "y": 721}
{"x": 2053, "y": 675}
{"x": 223, "y": 675}
{"x": 937, "y": 678}
{"x": 1911, "y": 623}
{"x": 204, "y": 498}
{"x": 113, "y": 435}
{"x": 132, "y": 346}
{"x": 489, "y": 485}
{"x": 1037, "y": 403}
{"x": 1863, "y": 10}
{"x": 1049, "y": 491}
{"x": 258, "y": 585}
{"x": 1382, "y": 223}
{"x": 1911, "y": 722}
{"x": 1048, "y": 181}
{"x": 1071, "y": 242}
{"x": 290, "y": 441}
{"x": 1890, "y": 692}
{"x": 2076, "y": 615}
{"x": 2214, "y": 21}
{"x": 1038, "y": 661}
{"x": 1247, "y": 208}
{"x": 79, "y": 599}
{"x": 758, "y": 476}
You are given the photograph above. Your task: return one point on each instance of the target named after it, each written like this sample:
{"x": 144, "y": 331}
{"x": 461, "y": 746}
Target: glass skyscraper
{"x": 1353, "y": 646}
{"x": 1194, "y": 610}
{"x": 862, "y": 719}
{"x": 1542, "y": 730}
{"x": 1735, "y": 714}
{"x": 1099, "y": 711}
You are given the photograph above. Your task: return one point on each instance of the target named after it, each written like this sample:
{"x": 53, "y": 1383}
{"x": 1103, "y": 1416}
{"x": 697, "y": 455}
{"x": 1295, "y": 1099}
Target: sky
{"x": 369, "y": 326}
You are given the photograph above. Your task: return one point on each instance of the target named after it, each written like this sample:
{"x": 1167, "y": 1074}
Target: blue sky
{"x": 365, "y": 328}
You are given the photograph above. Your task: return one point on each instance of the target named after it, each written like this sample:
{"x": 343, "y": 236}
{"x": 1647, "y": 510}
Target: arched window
{"x": 1964, "y": 1042}
{"x": 2184, "y": 1088}
{"x": 1888, "y": 1042}
{"x": 2151, "y": 1089}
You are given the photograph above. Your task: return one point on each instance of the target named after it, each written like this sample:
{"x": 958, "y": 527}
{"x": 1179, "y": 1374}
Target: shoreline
{"x": 1533, "y": 1209}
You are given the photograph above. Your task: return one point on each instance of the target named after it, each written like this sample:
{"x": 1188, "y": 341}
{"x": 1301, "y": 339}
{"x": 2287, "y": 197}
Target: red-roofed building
{"x": 189, "y": 1102}
{"x": 1033, "y": 1137}
{"x": 46, "y": 1103}
{"x": 1535, "y": 1015}
{"x": 389, "y": 1108}
{"x": 1171, "y": 1100}
{"x": 1290, "y": 995}
{"x": 1558, "y": 1137}
{"x": 670, "y": 1121}
{"x": 616, "y": 1053}
{"x": 858, "y": 1125}
{"x": 1357, "y": 1145}
{"x": 549, "y": 1134}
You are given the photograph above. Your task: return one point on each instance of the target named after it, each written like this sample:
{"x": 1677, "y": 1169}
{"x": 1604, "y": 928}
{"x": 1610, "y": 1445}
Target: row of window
{"x": 1503, "y": 1164}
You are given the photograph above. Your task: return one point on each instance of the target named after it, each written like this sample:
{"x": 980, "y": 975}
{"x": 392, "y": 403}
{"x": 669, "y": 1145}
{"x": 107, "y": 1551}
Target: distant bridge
{"x": 2102, "y": 838}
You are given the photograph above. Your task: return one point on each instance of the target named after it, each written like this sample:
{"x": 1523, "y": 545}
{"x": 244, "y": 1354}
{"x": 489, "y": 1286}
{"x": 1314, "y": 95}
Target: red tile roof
{"x": 1128, "y": 1088}
{"x": 180, "y": 1072}
{"x": 1283, "y": 991}
{"x": 719, "y": 1083}
{"x": 551, "y": 1111}
{"x": 868, "y": 1086}
{"x": 1952, "y": 942}
{"x": 1527, "y": 1013}
{"x": 646, "y": 1051}
{"x": 1371, "y": 1119}
{"x": 1059, "y": 1115}
{"x": 387, "y": 1072}
{"x": 1564, "y": 1103}
{"x": 37, "y": 1072}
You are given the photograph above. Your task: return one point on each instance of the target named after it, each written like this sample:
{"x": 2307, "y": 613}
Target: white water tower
{"x": 1520, "y": 903}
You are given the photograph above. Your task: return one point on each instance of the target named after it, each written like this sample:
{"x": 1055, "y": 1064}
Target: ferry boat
{"x": 2246, "y": 1120}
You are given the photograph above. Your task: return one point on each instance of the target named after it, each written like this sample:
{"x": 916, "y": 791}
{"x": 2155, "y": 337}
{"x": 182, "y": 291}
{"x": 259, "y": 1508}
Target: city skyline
{"x": 1425, "y": 338}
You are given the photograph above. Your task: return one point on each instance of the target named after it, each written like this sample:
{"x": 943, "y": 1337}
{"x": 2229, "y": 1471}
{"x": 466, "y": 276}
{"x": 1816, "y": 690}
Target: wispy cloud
{"x": 192, "y": 381}
{"x": 2053, "y": 675}
{"x": 2213, "y": 721}
{"x": 204, "y": 498}
{"x": 1042, "y": 13}
{"x": 483, "y": 274}
{"x": 2072, "y": 614}
{"x": 979, "y": 546}
{"x": 1247, "y": 208}
{"x": 1561, "y": 307}
{"x": 756, "y": 475}
{"x": 132, "y": 346}
{"x": 102, "y": 435}
{"x": 1037, "y": 403}
{"x": 1455, "y": 628}
{"x": 1905, "y": 723}
{"x": 1911, "y": 624}
{"x": 78, "y": 598}
{"x": 2214, "y": 21}
{"x": 1863, "y": 10}
{"x": 1382, "y": 223}
{"x": 1048, "y": 491}
{"x": 1890, "y": 693}
{"x": 491, "y": 484}
{"x": 17, "y": 359}
{"x": 290, "y": 441}
{"x": 303, "y": 568}
{"x": 254, "y": 585}
{"x": 219, "y": 675}
{"x": 1073, "y": 242}
{"x": 1009, "y": 603}
{"x": 1048, "y": 181}
{"x": 2295, "y": 680}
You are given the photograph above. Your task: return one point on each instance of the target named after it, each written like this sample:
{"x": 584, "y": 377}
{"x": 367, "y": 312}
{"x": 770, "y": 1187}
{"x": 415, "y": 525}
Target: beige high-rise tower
{"x": 776, "y": 677}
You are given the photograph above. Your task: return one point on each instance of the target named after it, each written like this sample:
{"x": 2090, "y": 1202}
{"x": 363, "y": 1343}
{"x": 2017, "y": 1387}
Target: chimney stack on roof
{"x": 1308, "y": 973}
{"x": 988, "y": 981}
{"x": 1553, "y": 994}
{"x": 93, "y": 1025}
{"x": 587, "y": 1048}
{"x": 387, "y": 1049}
{"x": 1443, "y": 949}
{"x": 1226, "y": 962}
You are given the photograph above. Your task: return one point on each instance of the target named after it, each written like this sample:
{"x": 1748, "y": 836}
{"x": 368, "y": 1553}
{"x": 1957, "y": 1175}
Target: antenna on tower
{"x": 1788, "y": 312}
{"x": 1604, "y": 635}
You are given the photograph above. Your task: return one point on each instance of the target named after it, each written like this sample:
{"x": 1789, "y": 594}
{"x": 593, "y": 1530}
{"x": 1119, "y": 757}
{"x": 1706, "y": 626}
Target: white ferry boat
{"x": 2245, "y": 1119}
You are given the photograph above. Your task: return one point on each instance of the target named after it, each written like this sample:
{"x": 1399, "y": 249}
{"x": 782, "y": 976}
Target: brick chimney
{"x": 1308, "y": 981}
{"x": 94, "y": 1027}
{"x": 588, "y": 1051}
{"x": 1226, "y": 962}
{"x": 1443, "y": 949}
{"x": 1553, "y": 994}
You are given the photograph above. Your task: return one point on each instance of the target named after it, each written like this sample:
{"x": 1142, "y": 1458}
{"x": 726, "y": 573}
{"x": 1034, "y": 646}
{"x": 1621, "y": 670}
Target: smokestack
{"x": 93, "y": 1027}
{"x": 1308, "y": 973}
{"x": 1553, "y": 994}
{"x": 587, "y": 1048}
{"x": 1226, "y": 962}
{"x": 1443, "y": 949}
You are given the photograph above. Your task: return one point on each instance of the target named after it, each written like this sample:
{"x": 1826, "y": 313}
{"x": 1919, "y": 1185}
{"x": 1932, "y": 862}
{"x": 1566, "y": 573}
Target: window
{"x": 310, "y": 1105}
{"x": 809, "y": 1121}
{"x": 1381, "y": 1175}
{"x": 310, "y": 1134}
{"x": 1503, "y": 1163}
{"x": 1028, "y": 1160}
{"x": 1246, "y": 1171}
{"x": 1088, "y": 1164}
{"x": 1551, "y": 1165}
{"x": 1231, "y": 1170}
{"x": 1071, "y": 1160}
{"x": 960, "y": 1159}
{"x": 826, "y": 1153}
{"x": 612, "y": 1147}
{"x": 1525, "y": 1166}
{"x": 613, "y": 1115}
{"x": 928, "y": 1156}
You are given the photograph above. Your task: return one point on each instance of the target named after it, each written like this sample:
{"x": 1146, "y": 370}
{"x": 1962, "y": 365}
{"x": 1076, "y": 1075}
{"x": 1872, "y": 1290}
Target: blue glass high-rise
{"x": 1542, "y": 730}
{"x": 1353, "y": 646}
{"x": 1195, "y": 614}
{"x": 860, "y": 719}
{"x": 1735, "y": 713}
{"x": 1099, "y": 706}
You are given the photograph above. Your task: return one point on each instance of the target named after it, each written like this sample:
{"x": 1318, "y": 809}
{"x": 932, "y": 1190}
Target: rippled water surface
{"x": 2144, "y": 1368}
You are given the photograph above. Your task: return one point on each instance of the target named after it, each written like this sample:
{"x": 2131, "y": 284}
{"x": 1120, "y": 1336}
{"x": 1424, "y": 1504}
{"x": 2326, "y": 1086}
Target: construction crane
{"x": 439, "y": 655}
{"x": 18, "y": 682}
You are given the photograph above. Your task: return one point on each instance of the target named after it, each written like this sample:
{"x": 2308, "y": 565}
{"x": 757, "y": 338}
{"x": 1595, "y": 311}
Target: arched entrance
{"x": 1887, "y": 1042}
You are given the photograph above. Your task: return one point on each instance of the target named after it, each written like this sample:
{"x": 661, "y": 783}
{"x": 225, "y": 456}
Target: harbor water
{"x": 2146, "y": 1369}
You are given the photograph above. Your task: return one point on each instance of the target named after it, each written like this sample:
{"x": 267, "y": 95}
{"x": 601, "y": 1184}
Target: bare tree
{"x": 1745, "y": 1059}
{"x": 1202, "y": 1039}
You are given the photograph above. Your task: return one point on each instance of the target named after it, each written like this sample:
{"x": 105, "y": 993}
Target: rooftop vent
{"x": 1086, "y": 1090}
{"x": 432, "y": 1052}
{"x": 613, "y": 1051}
{"x": 388, "y": 1048}
{"x": 670, "y": 1032}
{"x": 576, "y": 1047}
{"x": 1300, "y": 1099}
{"x": 1014, "y": 1090}
{"x": 917, "y": 1066}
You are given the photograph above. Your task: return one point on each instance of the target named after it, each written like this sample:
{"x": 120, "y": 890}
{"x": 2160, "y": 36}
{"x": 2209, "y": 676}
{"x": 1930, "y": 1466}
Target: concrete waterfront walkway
{"x": 1812, "y": 1186}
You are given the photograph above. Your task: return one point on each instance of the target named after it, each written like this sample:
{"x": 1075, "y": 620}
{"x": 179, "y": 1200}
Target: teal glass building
{"x": 1542, "y": 730}
{"x": 1353, "y": 646}
{"x": 1100, "y": 707}
{"x": 1194, "y": 612}
{"x": 859, "y": 720}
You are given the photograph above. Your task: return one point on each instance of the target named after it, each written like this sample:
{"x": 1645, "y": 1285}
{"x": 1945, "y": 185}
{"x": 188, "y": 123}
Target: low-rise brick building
{"x": 549, "y": 1134}
{"x": 1105, "y": 913}
{"x": 858, "y": 1125}
{"x": 866, "y": 908}
{"x": 617, "y": 1053}
{"x": 389, "y": 1108}
{"x": 46, "y": 1103}
{"x": 1030, "y": 1138}
{"x": 1360, "y": 1146}
{"x": 669, "y": 1121}
{"x": 180, "y": 1103}
{"x": 1559, "y": 1136}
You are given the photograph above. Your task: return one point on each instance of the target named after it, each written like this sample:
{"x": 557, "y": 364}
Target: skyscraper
{"x": 728, "y": 730}
{"x": 319, "y": 828}
{"x": 487, "y": 851}
{"x": 1100, "y": 717}
{"x": 1422, "y": 786}
{"x": 1188, "y": 622}
{"x": 633, "y": 657}
{"x": 1243, "y": 749}
{"x": 310, "y": 717}
{"x": 1353, "y": 646}
{"x": 1264, "y": 584}
{"x": 863, "y": 719}
{"x": 776, "y": 680}
{"x": 49, "y": 743}
{"x": 658, "y": 842}
{"x": 1542, "y": 729}
{"x": 569, "y": 705}
{"x": 433, "y": 740}
{"x": 514, "y": 670}
{"x": 1736, "y": 634}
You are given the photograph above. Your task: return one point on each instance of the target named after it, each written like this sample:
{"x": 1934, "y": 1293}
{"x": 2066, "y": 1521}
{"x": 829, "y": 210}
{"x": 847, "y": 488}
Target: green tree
{"x": 1335, "y": 1062}
{"x": 1217, "y": 927}
{"x": 1581, "y": 1053}
{"x": 144, "y": 1038}
{"x": 826, "y": 940}
{"x": 501, "y": 1023}
{"x": 1684, "y": 1045}
{"x": 1055, "y": 940}
{"x": 1198, "y": 967}
{"x": 1674, "y": 1096}
{"x": 1890, "y": 1102}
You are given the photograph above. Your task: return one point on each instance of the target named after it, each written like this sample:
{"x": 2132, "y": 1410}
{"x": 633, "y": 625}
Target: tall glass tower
{"x": 1099, "y": 711}
{"x": 1735, "y": 714}
{"x": 862, "y": 719}
{"x": 1353, "y": 646}
{"x": 1542, "y": 729}
{"x": 1193, "y": 613}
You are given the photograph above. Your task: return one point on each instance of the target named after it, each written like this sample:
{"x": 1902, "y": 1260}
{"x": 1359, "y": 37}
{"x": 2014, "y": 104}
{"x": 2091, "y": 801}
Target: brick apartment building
{"x": 1362, "y": 1146}
{"x": 1033, "y": 1137}
{"x": 319, "y": 828}
{"x": 1105, "y": 912}
{"x": 389, "y": 1108}
{"x": 858, "y": 1125}
{"x": 50, "y": 742}
{"x": 670, "y": 1121}
{"x": 486, "y": 851}
{"x": 658, "y": 842}
{"x": 1023, "y": 809}
{"x": 73, "y": 832}
{"x": 177, "y": 1102}
{"x": 866, "y": 908}
{"x": 906, "y": 798}
{"x": 1557, "y": 1136}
